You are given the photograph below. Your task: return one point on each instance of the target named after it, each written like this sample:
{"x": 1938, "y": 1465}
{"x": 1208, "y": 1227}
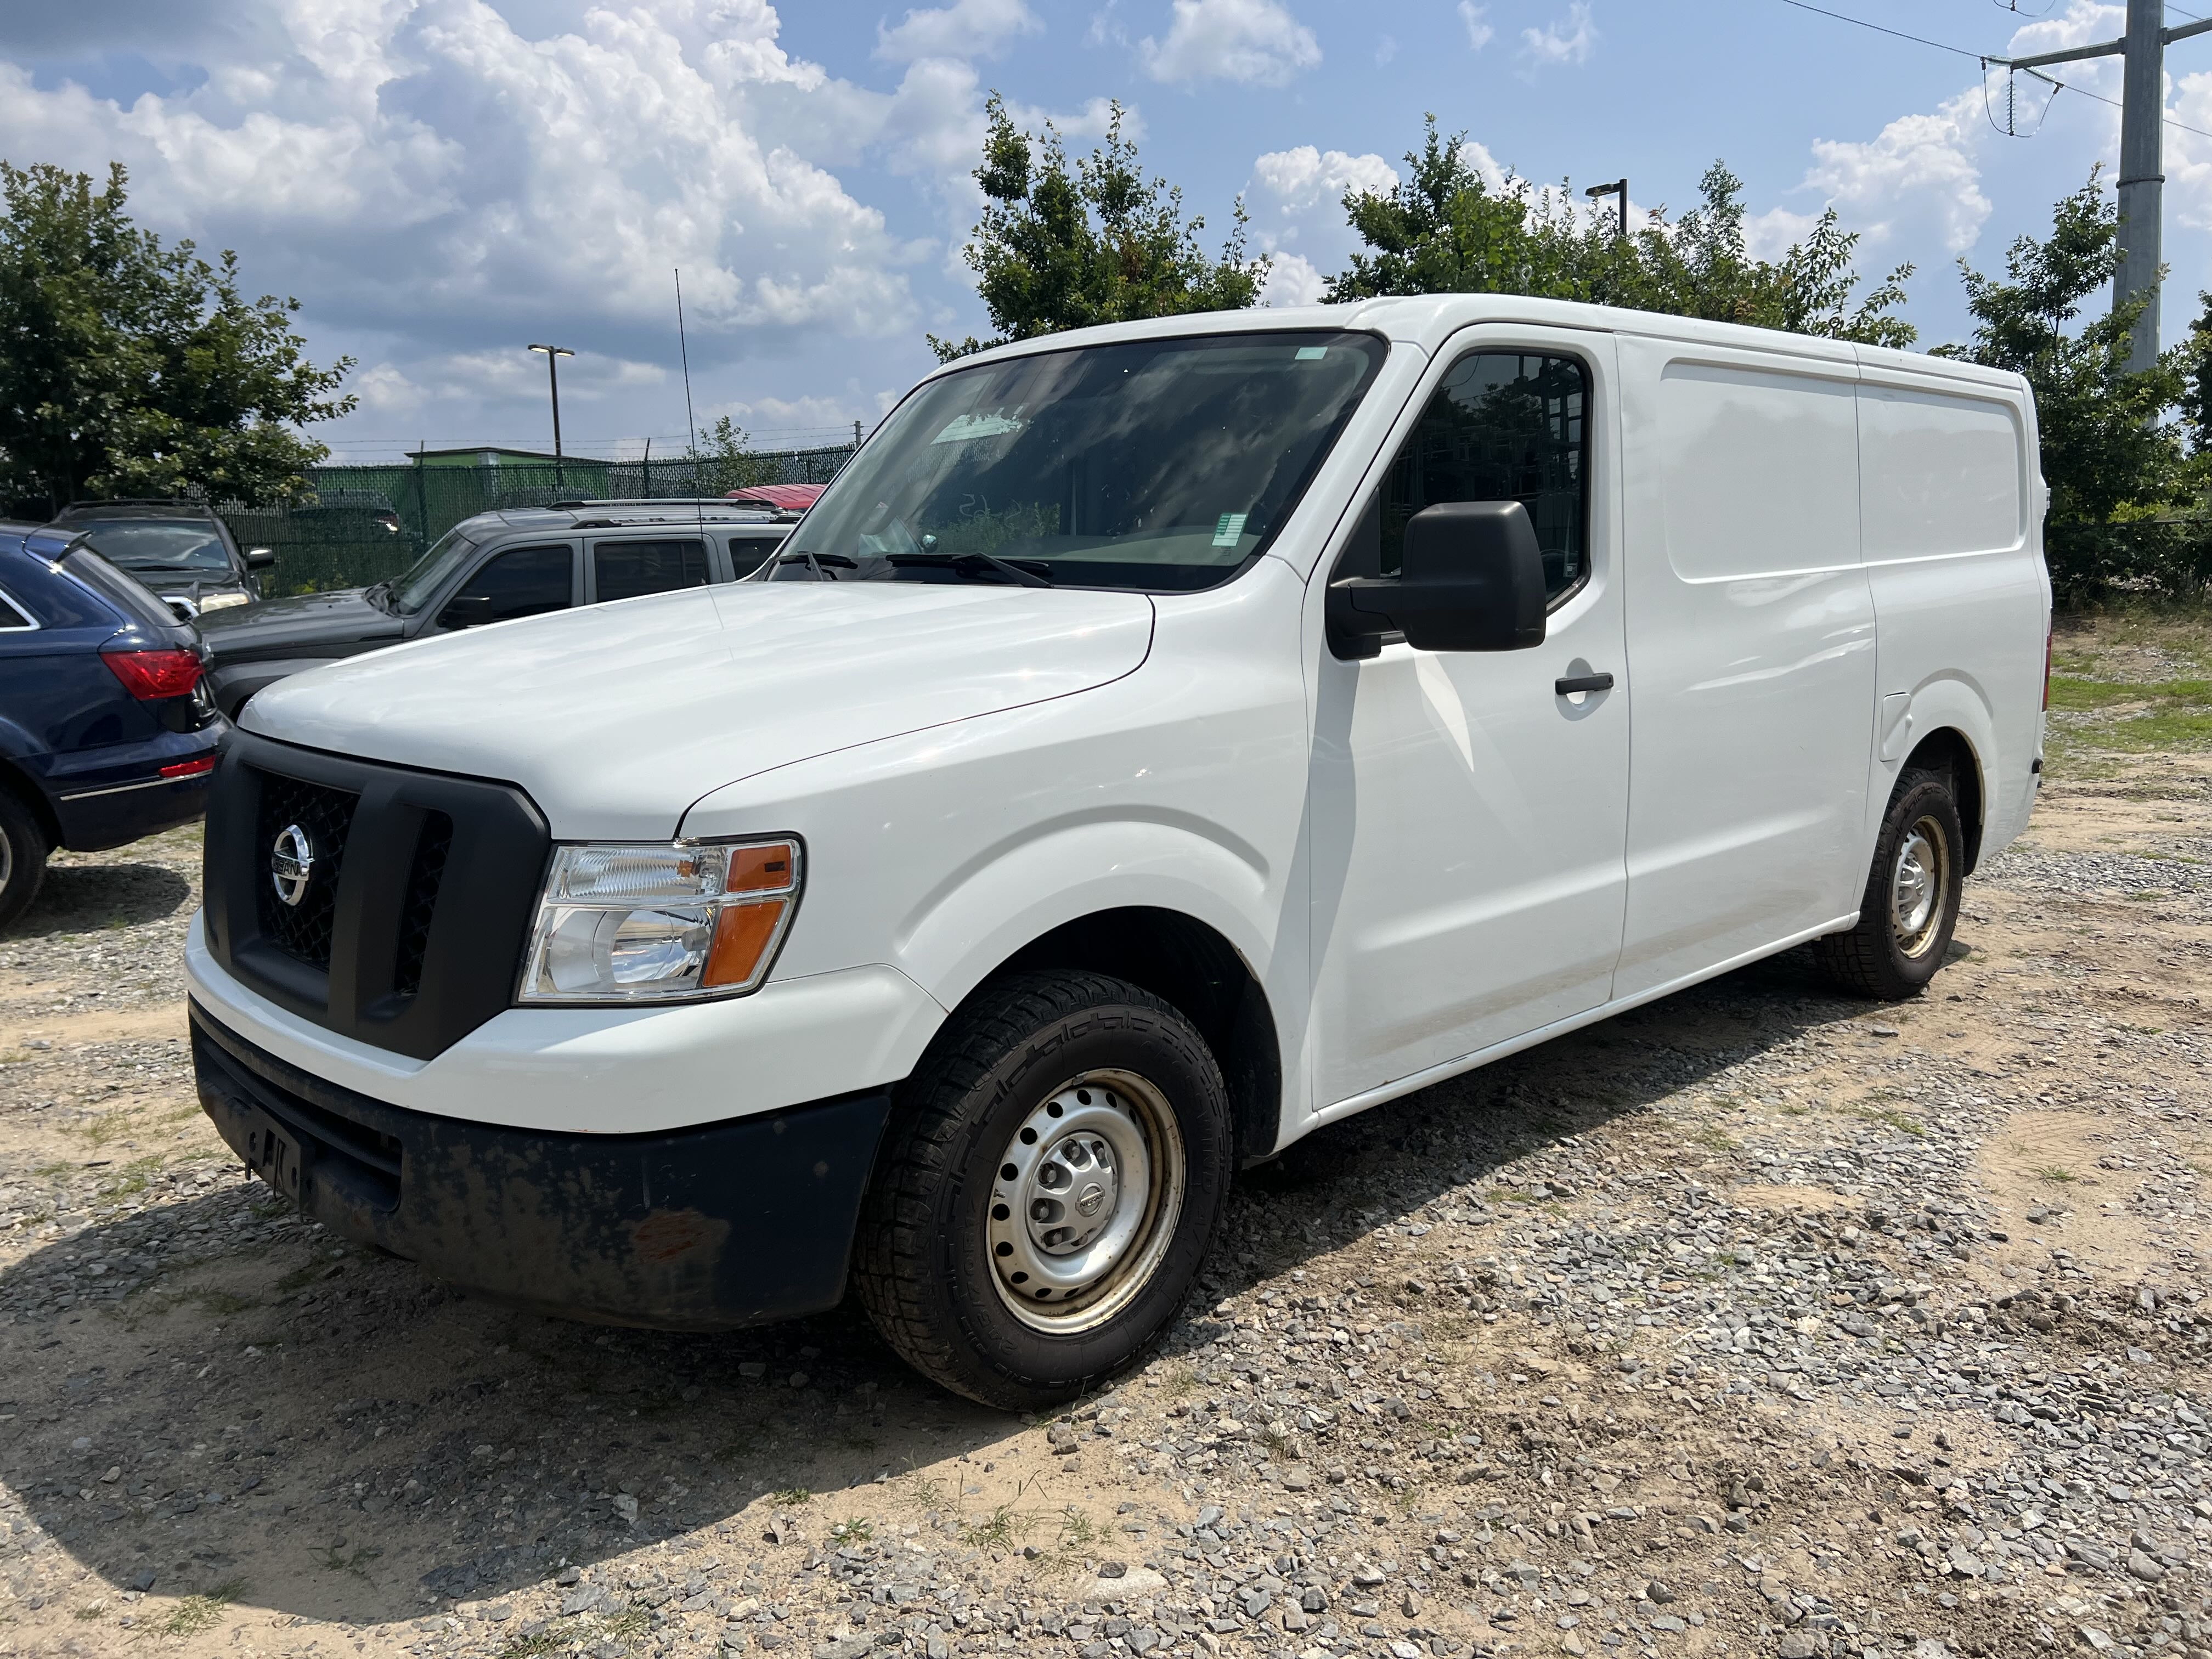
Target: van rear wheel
{"x": 1054, "y": 1175}
{"x": 1912, "y": 892}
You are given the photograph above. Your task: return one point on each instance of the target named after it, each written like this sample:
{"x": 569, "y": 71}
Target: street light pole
{"x": 1620, "y": 189}
{"x": 553, "y": 354}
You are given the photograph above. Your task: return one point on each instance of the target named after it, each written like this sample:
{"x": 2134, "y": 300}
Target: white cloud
{"x": 1479, "y": 32}
{"x": 1292, "y": 280}
{"x": 967, "y": 28}
{"x": 1255, "y": 41}
{"x": 1917, "y": 177}
{"x": 1386, "y": 48}
{"x": 384, "y": 390}
{"x": 1562, "y": 43}
{"x": 1770, "y": 234}
{"x": 1305, "y": 178}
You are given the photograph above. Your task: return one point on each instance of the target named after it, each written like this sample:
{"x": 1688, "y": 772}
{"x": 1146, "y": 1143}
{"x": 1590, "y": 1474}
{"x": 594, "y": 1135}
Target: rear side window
{"x": 125, "y": 592}
{"x": 749, "y": 553}
{"x": 623, "y": 570}
{"x": 523, "y": 582}
{"x": 1505, "y": 426}
{"x": 13, "y": 615}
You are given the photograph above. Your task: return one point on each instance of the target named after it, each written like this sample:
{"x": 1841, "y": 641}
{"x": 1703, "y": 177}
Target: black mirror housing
{"x": 1472, "y": 579}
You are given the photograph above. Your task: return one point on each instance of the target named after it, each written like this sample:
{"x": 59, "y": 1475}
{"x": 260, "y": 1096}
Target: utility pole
{"x": 553, "y": 354}
{"x": 1619, "y": 189}
{"x": 2142, "y": 169}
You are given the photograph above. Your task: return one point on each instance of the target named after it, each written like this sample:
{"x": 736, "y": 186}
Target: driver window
{"x": 1505, "y": 426}
{"x": 523, "y": 581}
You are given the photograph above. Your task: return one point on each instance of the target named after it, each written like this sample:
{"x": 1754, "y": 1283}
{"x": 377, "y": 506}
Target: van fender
{"x": 1020, "y": 890}
{"x": 1949, "y": 698}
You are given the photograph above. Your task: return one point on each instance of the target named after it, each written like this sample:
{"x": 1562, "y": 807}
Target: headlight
{"x": 620, "y": 923}
{"x": 220, "y": 602}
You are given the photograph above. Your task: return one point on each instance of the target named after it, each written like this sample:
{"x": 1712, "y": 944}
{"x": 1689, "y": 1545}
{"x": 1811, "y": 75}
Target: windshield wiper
{"x": 815, "y": 562}
{"x": 182, "y": 569}
{"x": 962, "y": 564}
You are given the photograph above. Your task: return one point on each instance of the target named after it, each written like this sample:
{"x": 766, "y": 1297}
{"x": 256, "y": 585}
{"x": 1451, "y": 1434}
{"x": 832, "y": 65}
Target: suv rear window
{"x": 623, "y": 570}
{"x": 123, "y": 592}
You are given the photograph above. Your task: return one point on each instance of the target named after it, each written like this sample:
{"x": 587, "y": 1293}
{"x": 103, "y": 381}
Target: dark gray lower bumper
{"x": 734, "y": 1224}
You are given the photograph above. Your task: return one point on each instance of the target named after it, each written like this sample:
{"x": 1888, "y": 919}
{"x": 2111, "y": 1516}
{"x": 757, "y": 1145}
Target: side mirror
{"x": 466, "y": 610}
{"x": 1472, "y": 579}
{"x": 260, "y": 558}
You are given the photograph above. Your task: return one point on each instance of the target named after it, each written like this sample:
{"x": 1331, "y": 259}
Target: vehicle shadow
{"x": 263, "y": 1414}
{"x": 75, "y": 897}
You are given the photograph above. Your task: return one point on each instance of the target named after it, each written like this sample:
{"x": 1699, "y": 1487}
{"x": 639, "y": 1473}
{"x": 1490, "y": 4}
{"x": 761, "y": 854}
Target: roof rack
{"x": 646, "y": 503}
{"x": 130, "y": 503}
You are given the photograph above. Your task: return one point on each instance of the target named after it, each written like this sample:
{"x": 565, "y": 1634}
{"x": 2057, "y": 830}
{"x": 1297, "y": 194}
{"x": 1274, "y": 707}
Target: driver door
{"x": 1469, "y": 817}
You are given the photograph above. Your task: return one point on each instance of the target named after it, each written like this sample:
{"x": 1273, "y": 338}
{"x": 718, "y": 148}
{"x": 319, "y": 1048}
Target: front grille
{"x": 324, "y": 815}
{"x": 431, "y": 847}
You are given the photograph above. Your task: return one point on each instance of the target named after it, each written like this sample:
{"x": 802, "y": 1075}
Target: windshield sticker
{"x": 968, "y": 428}
{"x": 1312, "y": 353}
{"x": 1229, "y": 529}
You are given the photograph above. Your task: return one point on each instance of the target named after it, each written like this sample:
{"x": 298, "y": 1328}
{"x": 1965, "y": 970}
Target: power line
{"x": 1981, "y": 58}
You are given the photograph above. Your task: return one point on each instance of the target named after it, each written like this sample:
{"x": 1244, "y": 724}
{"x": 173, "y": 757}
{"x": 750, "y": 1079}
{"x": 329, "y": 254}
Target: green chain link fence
{"x": 367, "y": 524}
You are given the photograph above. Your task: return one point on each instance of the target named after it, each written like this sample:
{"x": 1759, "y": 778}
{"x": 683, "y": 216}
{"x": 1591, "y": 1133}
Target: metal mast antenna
{"x": 684, "y": 346}
{"x": 2142, "y": 175}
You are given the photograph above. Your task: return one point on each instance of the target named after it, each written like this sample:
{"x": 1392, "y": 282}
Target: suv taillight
{"x": 150, "y": 675}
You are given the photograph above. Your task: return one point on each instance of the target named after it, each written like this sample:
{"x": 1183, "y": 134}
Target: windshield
{"x": 414, "y": 590}
{"x": 1162, "y": 465}
{"x": 167, "y": 547}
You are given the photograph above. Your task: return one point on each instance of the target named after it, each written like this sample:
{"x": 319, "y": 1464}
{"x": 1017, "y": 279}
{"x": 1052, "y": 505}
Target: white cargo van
{"x": 1161, "y": 740}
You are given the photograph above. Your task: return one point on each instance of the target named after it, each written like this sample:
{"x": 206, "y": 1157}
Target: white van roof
{"x": 1427, "y": 320}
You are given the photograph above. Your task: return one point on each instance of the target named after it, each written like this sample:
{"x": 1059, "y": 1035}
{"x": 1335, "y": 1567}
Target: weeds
{"x": 791, "y": 1495}
{"x": 996, "y": 1533}
{"x": 853, "y": 1531}
{"x": 198, "y": 1613}
{"x": 2056, "y": 1172}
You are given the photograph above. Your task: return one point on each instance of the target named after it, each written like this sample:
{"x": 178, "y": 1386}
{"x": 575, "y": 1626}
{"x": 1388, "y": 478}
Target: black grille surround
{"x": 325, "y": 816}
{"x": 430, "y": 892}
{"x": 432, "y": 847}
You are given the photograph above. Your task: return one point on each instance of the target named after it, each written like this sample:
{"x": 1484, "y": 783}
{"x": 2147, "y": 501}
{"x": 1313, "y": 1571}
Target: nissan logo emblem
{"x": 292, "y": 864}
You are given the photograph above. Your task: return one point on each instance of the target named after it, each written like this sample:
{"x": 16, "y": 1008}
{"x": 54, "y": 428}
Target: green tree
{"x": 1447, "y": 230}
{"x": 1058, "y": 249}
{"x": 131, "y": 369}
{"x": 722, "y": 459}
{"x": 2120, "y": 476}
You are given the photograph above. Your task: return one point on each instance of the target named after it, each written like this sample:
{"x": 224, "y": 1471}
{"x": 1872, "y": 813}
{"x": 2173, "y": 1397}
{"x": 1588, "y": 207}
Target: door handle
{"x": 1574, "y": 682}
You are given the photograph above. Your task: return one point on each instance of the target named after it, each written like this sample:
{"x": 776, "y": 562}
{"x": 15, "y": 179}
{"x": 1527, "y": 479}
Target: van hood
{"x": 617, "y": 718}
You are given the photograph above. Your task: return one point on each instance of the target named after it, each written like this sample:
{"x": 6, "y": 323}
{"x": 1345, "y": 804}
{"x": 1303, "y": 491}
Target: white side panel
{"x": 1751, "y": 643}
{"x": 1948, "y": 488}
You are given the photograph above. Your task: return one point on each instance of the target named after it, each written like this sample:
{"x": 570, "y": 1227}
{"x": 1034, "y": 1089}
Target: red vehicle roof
{"x": 784, "y": 496}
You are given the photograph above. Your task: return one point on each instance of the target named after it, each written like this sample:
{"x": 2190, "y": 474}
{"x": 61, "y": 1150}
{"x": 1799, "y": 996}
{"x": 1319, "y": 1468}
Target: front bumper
{"x": 707, "y": 1228}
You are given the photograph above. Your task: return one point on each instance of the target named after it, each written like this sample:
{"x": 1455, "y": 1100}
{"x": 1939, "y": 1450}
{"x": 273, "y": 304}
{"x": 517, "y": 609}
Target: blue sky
{"x": 442, "y": 181}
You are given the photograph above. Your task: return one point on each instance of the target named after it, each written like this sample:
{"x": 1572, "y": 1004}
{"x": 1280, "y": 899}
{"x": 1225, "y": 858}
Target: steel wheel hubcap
{"x": 1916, "y": 886}
{"x": 1084, "y": 1200}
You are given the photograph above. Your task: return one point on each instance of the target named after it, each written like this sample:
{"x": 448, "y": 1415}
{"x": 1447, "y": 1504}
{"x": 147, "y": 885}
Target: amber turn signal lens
{"x": 768, "y": 869}
{"x": 742, "y": 933}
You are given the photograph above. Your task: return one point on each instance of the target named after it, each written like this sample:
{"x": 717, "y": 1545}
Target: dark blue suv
{"x": 106, "y": 731}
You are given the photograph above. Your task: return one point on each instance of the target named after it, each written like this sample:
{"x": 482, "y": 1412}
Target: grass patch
{"x": 1889, "y": 1116}
{"x": 2057, "y": 1173}
{"x": 995, "y": 1533}
{"x": 53, "y": 1171}
{"x": 853, "y": 1531}
{"x": 1710, "y": 1136}
{"x": 202, "y": 1612}
{"x": 1077, "y": 1530}
{"x": 224, "y": 1303}
{"x": 2083, "y": 693}
{"x": 133, "y": 1177}
{"x": 335, "y": 1560}
{"x": 792, "y": 1495}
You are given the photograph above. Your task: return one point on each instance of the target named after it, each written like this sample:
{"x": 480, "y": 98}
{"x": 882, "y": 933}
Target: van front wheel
{"x": 1912, "y": 892}
{"x": 1054, "y": 1174}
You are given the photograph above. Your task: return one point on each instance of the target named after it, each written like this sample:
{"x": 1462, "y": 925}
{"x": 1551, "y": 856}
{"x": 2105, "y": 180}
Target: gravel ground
{"x": 1759, "y": 1321}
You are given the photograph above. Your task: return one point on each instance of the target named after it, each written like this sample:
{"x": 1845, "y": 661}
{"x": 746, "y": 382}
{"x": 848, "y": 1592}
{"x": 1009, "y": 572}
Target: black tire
{"x": 1882, "y": 956}
{"x": 924, "y": 1262}
{"x": 22, "y": 857}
